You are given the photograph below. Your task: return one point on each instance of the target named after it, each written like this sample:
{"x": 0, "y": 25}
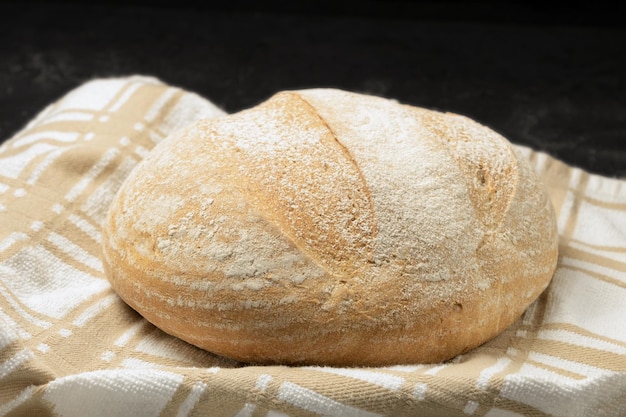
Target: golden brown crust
{"x": 326, "y": 227}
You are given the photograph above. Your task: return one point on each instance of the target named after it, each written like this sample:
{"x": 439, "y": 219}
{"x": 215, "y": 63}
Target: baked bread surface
{"x": 332, "y": 228}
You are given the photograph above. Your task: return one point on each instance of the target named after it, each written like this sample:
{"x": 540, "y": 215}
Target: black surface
{"x": 550, "y": 78}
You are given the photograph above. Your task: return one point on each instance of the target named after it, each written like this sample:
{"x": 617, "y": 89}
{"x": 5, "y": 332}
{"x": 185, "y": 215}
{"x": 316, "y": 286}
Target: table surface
{"x": 554, "y": 80}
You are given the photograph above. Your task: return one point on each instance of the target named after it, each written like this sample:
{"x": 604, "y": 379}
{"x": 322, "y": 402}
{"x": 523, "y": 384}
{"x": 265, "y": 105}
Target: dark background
{"x": 550, "y": 76}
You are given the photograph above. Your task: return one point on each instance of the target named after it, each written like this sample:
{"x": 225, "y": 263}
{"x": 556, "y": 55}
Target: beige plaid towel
{"x": 70, "y": 347}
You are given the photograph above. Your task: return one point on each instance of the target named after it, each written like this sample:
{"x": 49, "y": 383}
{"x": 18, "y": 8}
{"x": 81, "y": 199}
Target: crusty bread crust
{"x": 332, "y": 228}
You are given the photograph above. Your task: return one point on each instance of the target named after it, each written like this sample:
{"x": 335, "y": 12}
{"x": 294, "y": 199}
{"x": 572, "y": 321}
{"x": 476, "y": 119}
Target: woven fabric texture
{"x": 70, "y": 347}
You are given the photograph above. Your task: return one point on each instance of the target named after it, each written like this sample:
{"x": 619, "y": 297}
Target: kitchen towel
{"x": 70, "y": 347}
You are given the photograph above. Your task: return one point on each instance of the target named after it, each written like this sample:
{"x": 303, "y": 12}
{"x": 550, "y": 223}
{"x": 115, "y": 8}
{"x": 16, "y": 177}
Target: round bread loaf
{"x": 332, "y": 228}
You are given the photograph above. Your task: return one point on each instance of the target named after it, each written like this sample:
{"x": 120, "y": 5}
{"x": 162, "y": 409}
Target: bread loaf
{"x": 332, "y": 228}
